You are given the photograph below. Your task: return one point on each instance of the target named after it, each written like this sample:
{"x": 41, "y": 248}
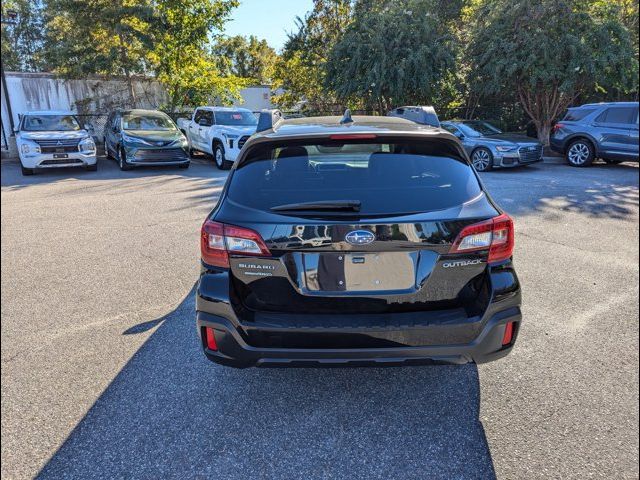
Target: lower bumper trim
{"x": 234, "y": 351}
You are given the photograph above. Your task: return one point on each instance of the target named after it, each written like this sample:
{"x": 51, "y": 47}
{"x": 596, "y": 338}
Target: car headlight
{"x": 87, "y": 145}
{"x": 29, "y": 148}
{"x": 134, "y": 140}
{"x": 506, "y": 148}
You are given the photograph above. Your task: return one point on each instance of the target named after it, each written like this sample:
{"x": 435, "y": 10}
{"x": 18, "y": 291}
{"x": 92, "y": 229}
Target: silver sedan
{"x": 489, "y": 147}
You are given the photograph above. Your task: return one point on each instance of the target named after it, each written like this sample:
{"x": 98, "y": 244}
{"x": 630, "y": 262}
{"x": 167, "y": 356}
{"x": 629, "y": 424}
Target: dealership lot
{"x": 103, "y": 375}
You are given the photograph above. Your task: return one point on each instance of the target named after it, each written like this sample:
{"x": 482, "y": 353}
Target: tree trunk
{"x": 544, "y": 130}
{"x": 543, "y": 105}
{"x": 132, "y": 91}
{"x": 127, "y": 72}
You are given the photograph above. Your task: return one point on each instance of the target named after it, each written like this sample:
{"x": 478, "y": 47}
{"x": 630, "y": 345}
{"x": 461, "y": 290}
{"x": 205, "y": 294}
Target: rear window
{"x": 385, "y": 178}
{"x": 577, "y": 114}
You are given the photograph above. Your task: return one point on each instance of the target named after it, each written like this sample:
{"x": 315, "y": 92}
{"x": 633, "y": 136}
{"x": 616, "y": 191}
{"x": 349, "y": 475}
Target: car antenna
{"x": 346, "y": 118}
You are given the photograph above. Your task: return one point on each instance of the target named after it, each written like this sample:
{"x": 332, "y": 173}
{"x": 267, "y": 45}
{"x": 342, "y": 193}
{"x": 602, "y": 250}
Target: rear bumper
{"x": 557, "y": 145}
{"x": 234, "y": 351}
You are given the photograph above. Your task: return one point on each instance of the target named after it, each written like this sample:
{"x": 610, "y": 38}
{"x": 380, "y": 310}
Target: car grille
{"x": 58, "y": 145}
{"x": 242, "y": 141}
{"x": 530, "y": 154}
{"x": 59, "y": 161}
{"x": 161, "y": 155}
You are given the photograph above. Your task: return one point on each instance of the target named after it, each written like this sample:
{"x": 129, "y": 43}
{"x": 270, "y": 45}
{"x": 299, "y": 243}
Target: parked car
{"x": 423, "y": 115}
{"x": 51, "y": 139}
{"x": 144, "y": 137}
{"x": 489, "y": 147}
{"x": 598, "y": 130}
{"x": 355, "y": 241}
{"x": 219, "y": 131}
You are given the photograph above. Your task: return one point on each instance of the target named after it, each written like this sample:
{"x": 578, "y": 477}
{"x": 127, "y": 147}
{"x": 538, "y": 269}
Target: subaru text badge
{"x": 359, "y": 237}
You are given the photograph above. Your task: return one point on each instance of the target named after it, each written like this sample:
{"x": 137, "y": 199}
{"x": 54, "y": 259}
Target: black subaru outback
{"x": 355, "y": 241}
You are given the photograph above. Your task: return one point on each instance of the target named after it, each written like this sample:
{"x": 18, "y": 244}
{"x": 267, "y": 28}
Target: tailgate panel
{"x": 360, "y": 272}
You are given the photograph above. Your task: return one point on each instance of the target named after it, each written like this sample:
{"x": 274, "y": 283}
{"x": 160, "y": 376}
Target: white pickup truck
{"x": 219, "y": 131}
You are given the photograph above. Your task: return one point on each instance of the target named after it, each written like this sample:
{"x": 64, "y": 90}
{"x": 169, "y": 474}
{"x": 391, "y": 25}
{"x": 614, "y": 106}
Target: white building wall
{"x": 256, "y": 98}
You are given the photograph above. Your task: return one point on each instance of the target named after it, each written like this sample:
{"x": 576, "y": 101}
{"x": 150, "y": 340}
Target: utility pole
{"x": 9, "y": 19}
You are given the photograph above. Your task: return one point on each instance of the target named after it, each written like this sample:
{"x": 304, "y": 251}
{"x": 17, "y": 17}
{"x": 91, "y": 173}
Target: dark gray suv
{"x": 598, "y": 130}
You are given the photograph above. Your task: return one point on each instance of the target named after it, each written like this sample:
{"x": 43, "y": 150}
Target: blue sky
{"x": 268, "y": 19}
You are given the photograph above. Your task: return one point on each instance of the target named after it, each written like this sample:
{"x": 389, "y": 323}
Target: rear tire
{"x": 482, "y": 159}
{"x": 580, "y": 153}
{"x": 27, "y": 171}
{"x": 122, "y": 161}
{"x": 218, "y": 157}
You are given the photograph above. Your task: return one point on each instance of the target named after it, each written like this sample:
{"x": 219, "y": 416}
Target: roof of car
{"x": 224, "y": 109}
{"x": 50, "y": 112}
{"x": 142, "y": 111}
{"x": 602, "y": 104}
{"x": 310, "y": 126}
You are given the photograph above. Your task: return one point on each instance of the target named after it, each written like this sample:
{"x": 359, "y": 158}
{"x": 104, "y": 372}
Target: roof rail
{"x": 424, "y": 115}
{"x": 269, "y": 120}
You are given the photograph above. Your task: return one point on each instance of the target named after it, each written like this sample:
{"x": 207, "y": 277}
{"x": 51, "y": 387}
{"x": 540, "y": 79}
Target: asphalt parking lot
{"x": 103, "y": 377}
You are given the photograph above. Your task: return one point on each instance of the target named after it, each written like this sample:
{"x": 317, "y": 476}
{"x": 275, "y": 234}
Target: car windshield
{"x": 478, "y": 128}
{"x": 236, "y": 118}
{"x": 136, "y": 121}
{"x": 50, "y": 123}
{"x": 372, "y": 178}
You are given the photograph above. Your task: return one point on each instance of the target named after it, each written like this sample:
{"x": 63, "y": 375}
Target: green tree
{"x": 393, "y": 53}
{"x": 181, "y": 55}
{"x": 548, "y": 52}
{"x": 100, "y": 37}
{"x": 246, "y": 58}
{"x": 22, "y": 40}
{"x": 301, "y": 69}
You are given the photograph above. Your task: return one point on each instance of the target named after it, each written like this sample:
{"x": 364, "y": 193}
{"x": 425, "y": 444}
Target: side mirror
{"x": 204, "y": 122}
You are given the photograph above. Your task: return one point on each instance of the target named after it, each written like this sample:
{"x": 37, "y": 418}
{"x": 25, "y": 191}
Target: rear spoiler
{"x": 269, "y": 120}
{"x": 424, "y": 115}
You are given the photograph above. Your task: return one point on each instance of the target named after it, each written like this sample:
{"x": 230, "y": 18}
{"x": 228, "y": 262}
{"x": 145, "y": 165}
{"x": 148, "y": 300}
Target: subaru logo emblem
{"x": 359, "y": 237}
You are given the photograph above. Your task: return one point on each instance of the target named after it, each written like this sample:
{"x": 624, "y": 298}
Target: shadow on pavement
{"x": 172, "y": 414}
{"x": 609, "y": 191}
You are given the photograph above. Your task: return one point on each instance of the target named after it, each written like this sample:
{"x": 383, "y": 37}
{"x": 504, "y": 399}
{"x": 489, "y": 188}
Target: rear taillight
{"x": 495, "y": 235}
{"x": 218, "y": 240}
{"x": 557, "y": 127}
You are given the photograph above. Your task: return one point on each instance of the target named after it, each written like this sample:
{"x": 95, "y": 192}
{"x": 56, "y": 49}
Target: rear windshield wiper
{"x": 321, "y": 206}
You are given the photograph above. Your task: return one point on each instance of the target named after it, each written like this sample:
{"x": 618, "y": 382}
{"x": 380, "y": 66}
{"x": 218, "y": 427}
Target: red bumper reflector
{"x": 211, "y": 339}
{"x": 508, "y": 334}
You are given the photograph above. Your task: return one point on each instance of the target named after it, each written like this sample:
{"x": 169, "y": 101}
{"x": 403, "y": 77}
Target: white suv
{"x": 219, "y": 131}
{"x": 50, "y": 139}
